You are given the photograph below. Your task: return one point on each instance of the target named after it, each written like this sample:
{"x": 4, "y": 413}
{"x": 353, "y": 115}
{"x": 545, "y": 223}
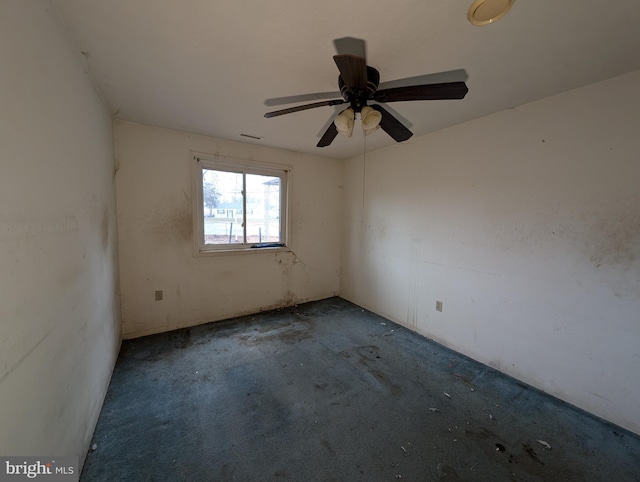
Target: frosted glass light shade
{"x": 345, "y": 121}
{"x": 370, "y": 118}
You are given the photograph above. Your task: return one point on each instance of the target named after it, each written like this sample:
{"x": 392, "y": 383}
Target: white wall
{"x": 526, "y": 224}
{"x": 59, "y": 317}
{"x": 153, "y": 185}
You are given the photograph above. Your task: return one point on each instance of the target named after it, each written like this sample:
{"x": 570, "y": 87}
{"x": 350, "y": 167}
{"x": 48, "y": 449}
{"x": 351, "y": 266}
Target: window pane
{"x": 241, "y": 206}
{"x": 222, "y": 199}
{"x": 263, "y": 209}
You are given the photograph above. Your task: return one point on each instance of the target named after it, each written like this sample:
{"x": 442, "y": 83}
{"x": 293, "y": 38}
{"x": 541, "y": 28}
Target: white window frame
{"x": 202, "y": 161}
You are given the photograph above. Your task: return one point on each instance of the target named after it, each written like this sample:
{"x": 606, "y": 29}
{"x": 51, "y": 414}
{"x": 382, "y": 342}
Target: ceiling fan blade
{"x": 447, "y": 90}
{"x": 353, "y": 70}
{"x": 294, "y": 99}
{"x": 328, "y": 137}
{"x": 391, "y": 125}
{"x": 458, "y": 75}
{"x": 298, "y": 108}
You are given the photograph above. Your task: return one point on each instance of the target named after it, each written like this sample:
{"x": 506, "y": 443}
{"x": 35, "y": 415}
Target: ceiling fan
{"x": 358, "y": 84}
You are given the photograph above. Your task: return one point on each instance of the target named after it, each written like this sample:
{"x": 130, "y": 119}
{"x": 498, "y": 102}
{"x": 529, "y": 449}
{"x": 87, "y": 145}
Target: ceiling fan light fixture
{"x": 358, "y": 83}
{"x": 370, "y": 118}
{"x": 486, "y": 12}
{"x": 344, "y": 122}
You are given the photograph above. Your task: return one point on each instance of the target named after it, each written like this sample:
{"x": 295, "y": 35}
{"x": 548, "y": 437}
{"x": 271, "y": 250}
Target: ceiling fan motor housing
{"x": 356, "y": 97}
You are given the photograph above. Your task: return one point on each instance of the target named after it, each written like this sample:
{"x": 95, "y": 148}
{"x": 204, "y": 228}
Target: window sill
{"x": 203, "y": 253}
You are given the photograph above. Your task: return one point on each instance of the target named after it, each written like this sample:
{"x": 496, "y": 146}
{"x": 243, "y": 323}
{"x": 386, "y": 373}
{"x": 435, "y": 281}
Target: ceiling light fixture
{"x": 486, "y": 12}
{"x": 345, "y": 121}
{"x": 370, "y": 119}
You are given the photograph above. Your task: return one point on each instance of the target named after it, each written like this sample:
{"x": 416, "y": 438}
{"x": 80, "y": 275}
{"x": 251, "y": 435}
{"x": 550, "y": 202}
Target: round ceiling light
{"x": 485, "y": 12}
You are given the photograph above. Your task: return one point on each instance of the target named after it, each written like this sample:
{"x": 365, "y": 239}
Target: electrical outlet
{"x": 439, "y": 306}
{"x": 159, "y": 295}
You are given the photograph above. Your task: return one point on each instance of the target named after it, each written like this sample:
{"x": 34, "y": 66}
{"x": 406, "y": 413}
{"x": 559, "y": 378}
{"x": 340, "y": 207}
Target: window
{"x": 239, "y": 205}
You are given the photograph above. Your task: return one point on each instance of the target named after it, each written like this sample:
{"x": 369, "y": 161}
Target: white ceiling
{"x": 208, "y": 66}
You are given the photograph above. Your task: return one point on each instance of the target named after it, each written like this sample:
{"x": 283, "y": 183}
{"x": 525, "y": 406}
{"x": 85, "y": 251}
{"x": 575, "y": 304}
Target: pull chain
{"x": 364, "y": 165}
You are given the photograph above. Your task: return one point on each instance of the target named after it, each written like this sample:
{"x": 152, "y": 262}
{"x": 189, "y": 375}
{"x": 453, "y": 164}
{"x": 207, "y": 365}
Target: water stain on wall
{"x": 171, "y": 222}
{"x": 615, "y": 239}
{"x": 286, "y": 261}
{"x": 104, "y": 228}
{"x": 414, "y": 291}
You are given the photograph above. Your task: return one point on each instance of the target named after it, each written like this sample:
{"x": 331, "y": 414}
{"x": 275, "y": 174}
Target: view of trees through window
{"x": 240, "y": 208}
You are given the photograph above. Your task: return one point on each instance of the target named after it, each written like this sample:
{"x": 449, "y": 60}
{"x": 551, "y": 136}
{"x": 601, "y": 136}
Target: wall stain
{"x": 286, "y": 261}
{"x": 172, "y": 224}
{"x": 615, "y": 239}
{"x": 104, "y": 227}
{"x": 287, "y": 301}
{"x": 414, "y": 292}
